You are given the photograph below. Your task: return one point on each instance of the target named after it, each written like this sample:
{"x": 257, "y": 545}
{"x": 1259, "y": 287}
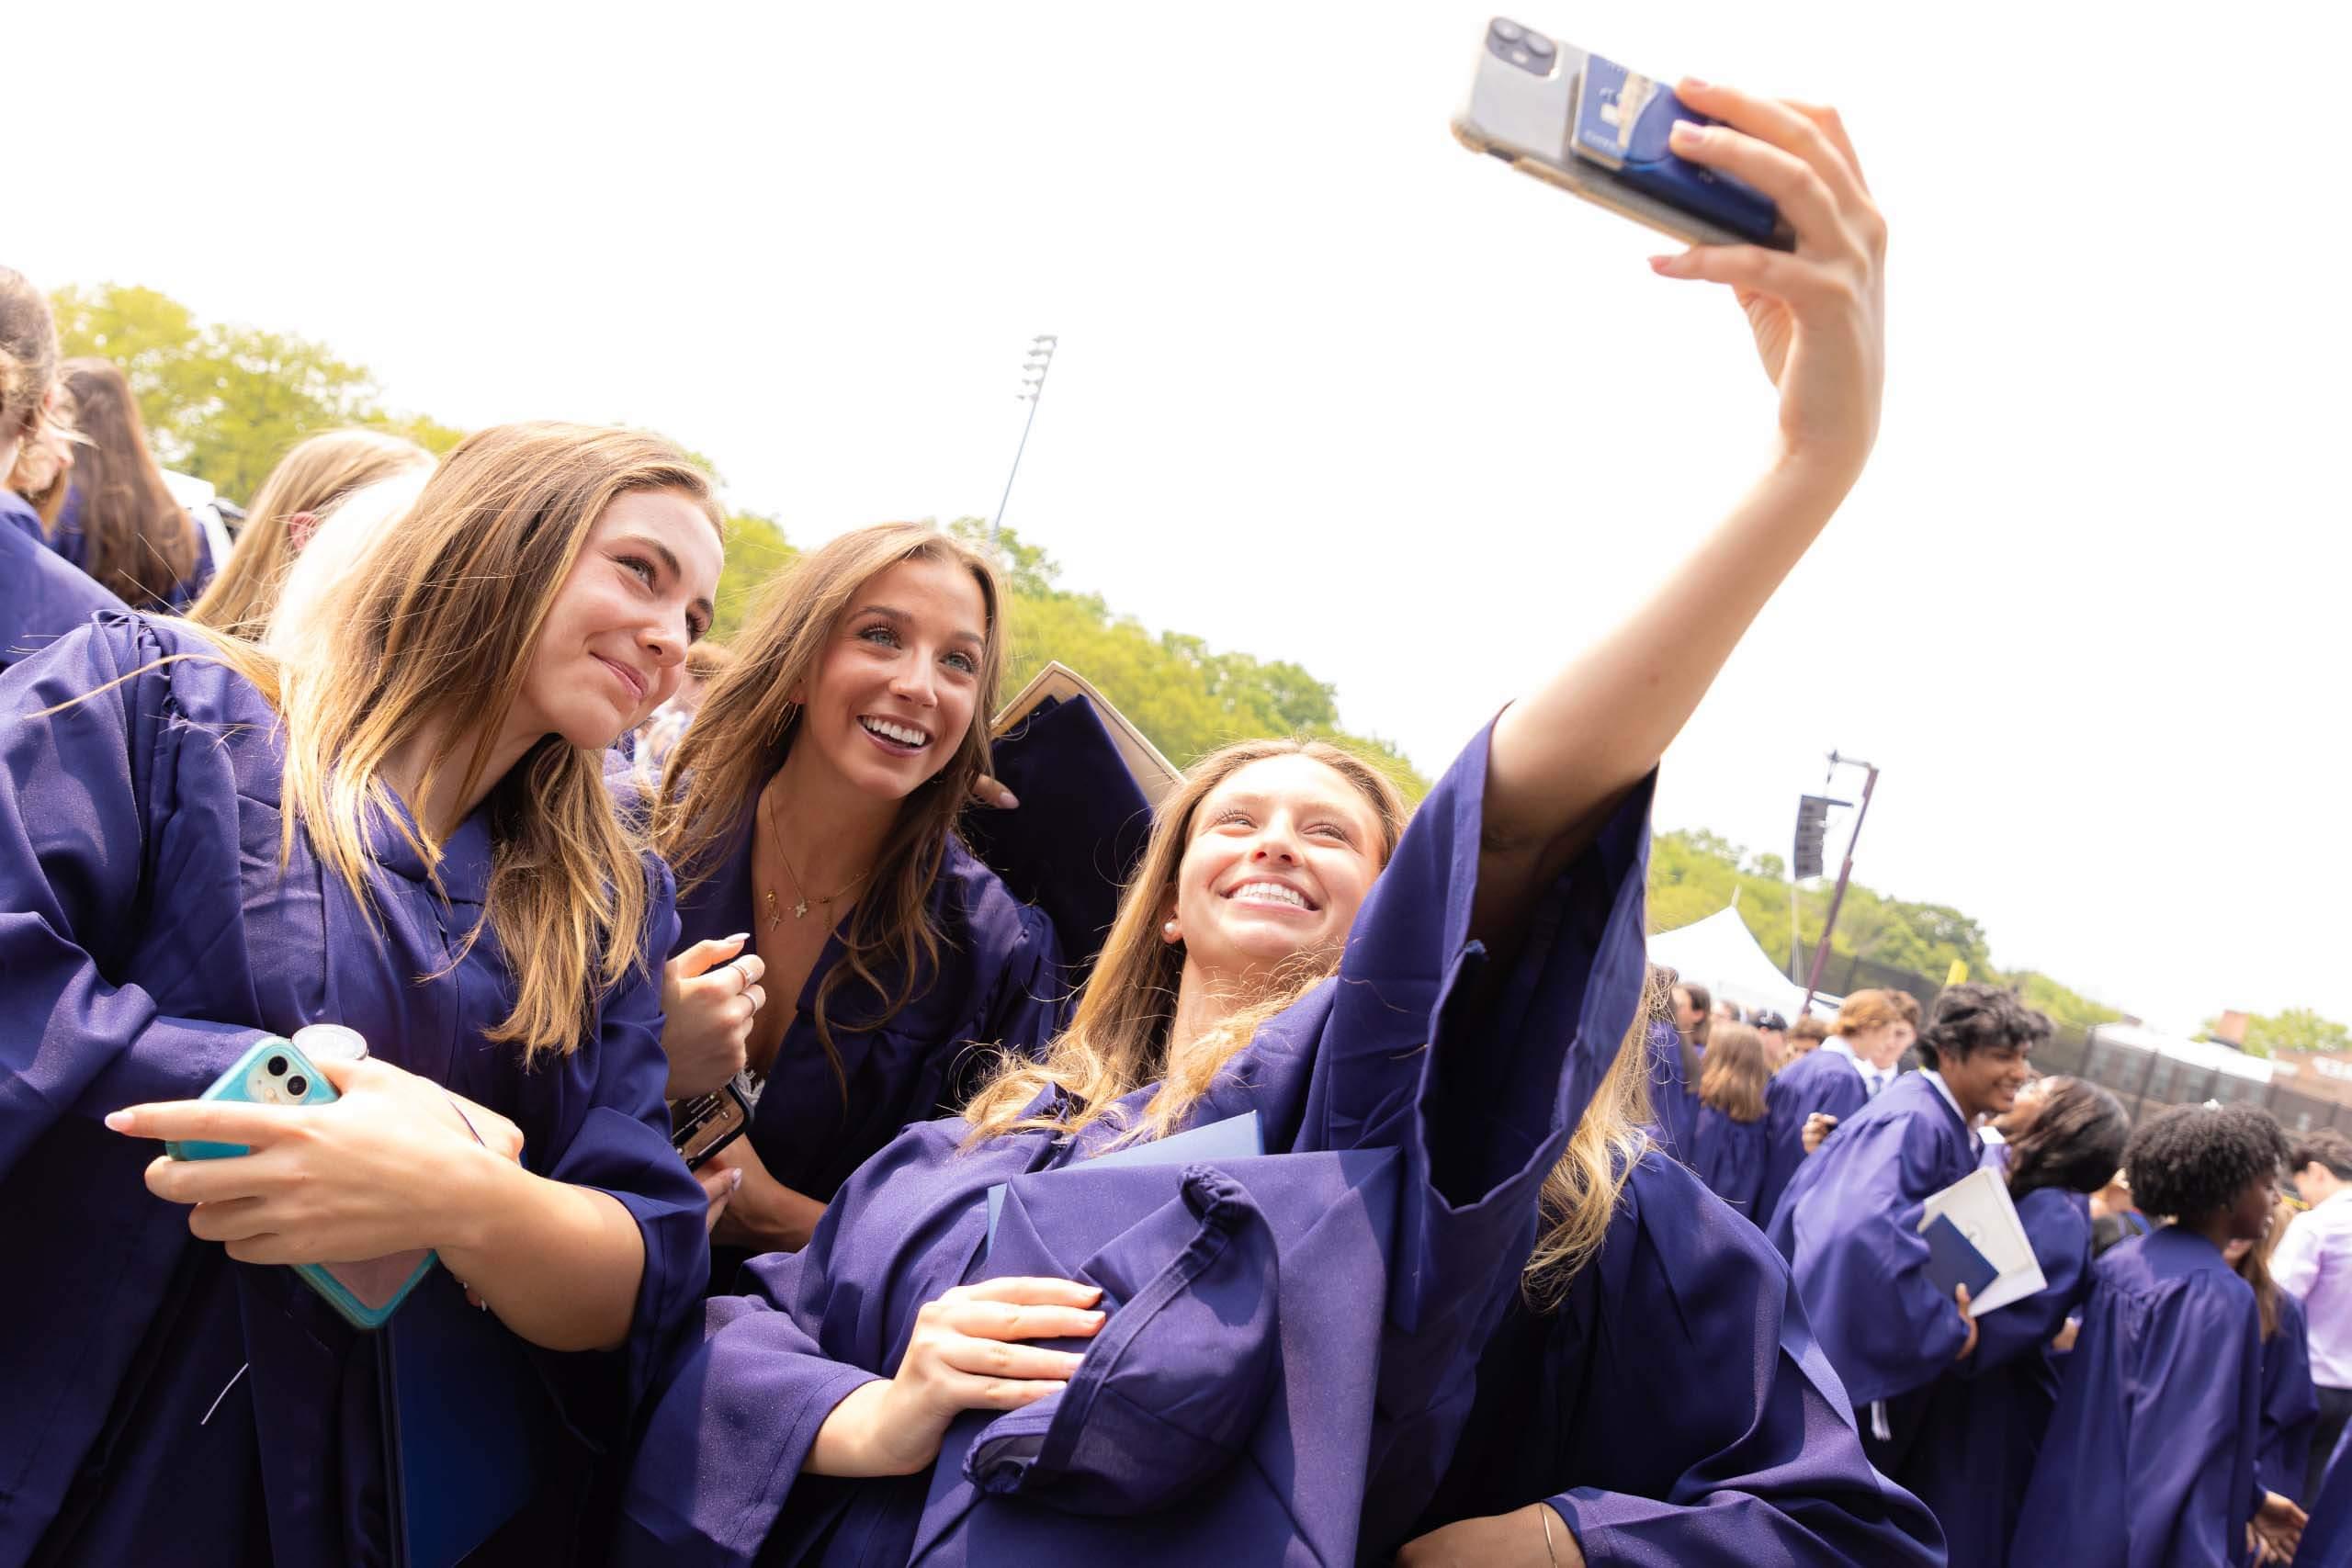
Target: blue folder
{"x": 1236, "y": 1137}
{"x": 1953, "y": 1261}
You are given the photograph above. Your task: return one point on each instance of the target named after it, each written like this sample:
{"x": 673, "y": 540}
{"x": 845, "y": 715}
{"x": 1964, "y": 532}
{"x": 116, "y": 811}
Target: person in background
{"x": 2290, "y": 1401}
{"x": 1675, "y": 1071}
{"x": 1849, "y": 1223}
{"x": 121, "y": 523}
{"x": 1834, "y": 1082}
{"x": 42, "y": 594}
{"x": 2114, "y": 1216}
{"x": 1728, "y": 1139}
{"x": 1641, "y": 1290}
{"x": 2151, "y": 1455}
{"x": 1805, "y": 1036}
{"x": 308, "y": 482}
{"x": 1974, "y": 1443}
{"x": 1695, "y": 1012}
{"x": 659, "y": 735}
{"x": 2313, "y": 1262}
{"x": 1773, "y": 1031}
{"x": 1726, "y": 1011}
{"x": 1888, "y": 1068}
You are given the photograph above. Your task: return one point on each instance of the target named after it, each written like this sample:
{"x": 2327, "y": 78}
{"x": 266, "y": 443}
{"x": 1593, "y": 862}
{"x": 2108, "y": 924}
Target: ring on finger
{"x": 742, "y": 976}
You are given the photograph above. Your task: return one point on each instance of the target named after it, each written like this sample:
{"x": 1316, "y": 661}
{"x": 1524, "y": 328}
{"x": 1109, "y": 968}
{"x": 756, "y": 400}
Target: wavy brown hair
{"x": 1118, "y": 1041}
{"x": 137, "y": 542}
{"x": 2254, "y": 1268}
{"x": 28, "y": 356}
{"x": 313, "y": 478}
{"x": 1734, "y": 1072}
{"x": 1580, "y": 1194}
{"x": 746, "y": 726}
{"x": 435, "y": 626}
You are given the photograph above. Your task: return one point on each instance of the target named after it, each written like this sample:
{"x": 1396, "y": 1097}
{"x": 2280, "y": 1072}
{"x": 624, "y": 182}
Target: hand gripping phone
{"x": 1599, "y": 132}
{"x": 275, "y": 1072}
{"x": 703, "y": 1124}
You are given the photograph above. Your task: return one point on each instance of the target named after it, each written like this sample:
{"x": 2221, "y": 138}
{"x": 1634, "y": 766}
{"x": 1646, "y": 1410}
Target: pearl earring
{"x": 1170, "y": 931}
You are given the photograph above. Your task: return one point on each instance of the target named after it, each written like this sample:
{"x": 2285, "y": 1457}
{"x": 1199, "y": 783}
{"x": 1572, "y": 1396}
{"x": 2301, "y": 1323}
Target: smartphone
{"x": 275, "y": 1072}
{"x": 1599, "y": 132}
{"x": 705, "y": 1124}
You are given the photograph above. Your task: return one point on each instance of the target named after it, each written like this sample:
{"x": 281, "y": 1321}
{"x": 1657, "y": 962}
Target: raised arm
{"x": 1561, "y": 756}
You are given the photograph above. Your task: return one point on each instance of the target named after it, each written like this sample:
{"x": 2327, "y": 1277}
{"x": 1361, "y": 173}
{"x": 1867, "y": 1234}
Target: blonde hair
{"x": 1734, "y": 1072}
{"x": 314, "y": 477}
{"x": 1118, "y": 1041}
{"x": 1580, "y": 1194}
{"x": 27, "y": 369}
{"x": 1866, "y": 1010}
{"x": 746, "y": 724}
{"x": 438, "y": 625}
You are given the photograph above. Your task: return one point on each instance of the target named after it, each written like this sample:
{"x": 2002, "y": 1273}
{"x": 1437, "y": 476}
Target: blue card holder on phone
{"x": 1623, "y": 121}
{"x": 276, "y": 1072}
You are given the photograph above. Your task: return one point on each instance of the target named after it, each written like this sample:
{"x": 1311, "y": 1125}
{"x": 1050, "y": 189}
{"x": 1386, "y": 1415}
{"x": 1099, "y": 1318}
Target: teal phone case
{"x": 274, "y": 1073}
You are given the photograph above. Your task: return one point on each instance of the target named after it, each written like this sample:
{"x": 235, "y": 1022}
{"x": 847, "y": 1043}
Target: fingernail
{"x": 1694, "y": 84}
{"x": 1687, "y": 134}
{"x": 1093, "y": 1316}
{"x": 1661, "y": 264}
{"x": 1007, "y": 799}
{"x": 119, "y": 1121}
{"x": 734, "y": 1180}
{"x": 739, "y": 936}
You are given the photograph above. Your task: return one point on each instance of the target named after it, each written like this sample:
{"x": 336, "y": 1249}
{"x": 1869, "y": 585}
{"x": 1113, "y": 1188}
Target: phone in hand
{"x": 275, "y": 1072}
{"x": 1599, "y": 132}
{"x": 702, "y": 1124}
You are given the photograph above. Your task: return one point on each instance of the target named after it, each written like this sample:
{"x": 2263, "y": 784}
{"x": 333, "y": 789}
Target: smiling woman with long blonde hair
{"x": 405, "y": 830}
{"x": 1438, "y": 1004}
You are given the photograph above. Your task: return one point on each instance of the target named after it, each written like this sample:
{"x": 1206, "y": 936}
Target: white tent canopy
{"x": 1719, "y": 954}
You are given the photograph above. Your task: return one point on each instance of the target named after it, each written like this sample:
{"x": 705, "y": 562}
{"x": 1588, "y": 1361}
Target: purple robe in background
{"x": 1821, "y": 1079}
{"x": 1673, "y": 1094}
{"x": 2149, "y": 1460}
{"x": 72, "y": 542}
{"x": 2327, "y": 1539}
{"x": 1675, "y": 1409}
{"x": 2289, "y": 1403}
{"x": 162, "y": 1403}
{"x": 1729, "y": 1156}
{"x": 42, "y": 596}
{"x": 1973, "y": 1433}
{"x": 998, "y": 981}
{"x": 1474, "y": 1070}
{"x": 1848, "y": 1226}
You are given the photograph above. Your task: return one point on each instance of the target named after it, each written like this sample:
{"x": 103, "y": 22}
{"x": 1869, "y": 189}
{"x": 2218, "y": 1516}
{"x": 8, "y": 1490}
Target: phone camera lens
{"x": 298, "y": 1085}
{"x": 278, "y": 1066}
{"x": 1509, "y": 33}
{"x": 1537, "y": 44}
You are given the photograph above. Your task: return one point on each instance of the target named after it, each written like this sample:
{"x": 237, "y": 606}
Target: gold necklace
{"x": 800, "y": 906}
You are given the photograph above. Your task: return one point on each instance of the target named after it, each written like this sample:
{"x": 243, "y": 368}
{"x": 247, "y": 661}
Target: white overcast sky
{"x": 1330, "y": 389}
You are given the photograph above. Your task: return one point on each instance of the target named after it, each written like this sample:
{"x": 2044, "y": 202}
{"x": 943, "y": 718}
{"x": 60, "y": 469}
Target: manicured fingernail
{"x": 734, "y": 1180}
{"x": 1688, "y": 134}
{"x": 739, "y": 936}
{"x": 1661, "y": 264}
{"x": 1006, "y": 798}
{"x": 119, "y": 1121}
{"x": 1692, "y": 84}
{"x": 1092, "y": 1316}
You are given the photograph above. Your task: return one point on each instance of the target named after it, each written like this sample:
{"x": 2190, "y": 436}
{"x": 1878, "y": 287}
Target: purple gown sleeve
{"x": 2060, "y": 1236}
{"x": 1811, "y": 1083}
{"x": 2290, "y": 1404}
{"x": 1863, "y": 1265}
{"x": 75, "y": 819}
{"x": 42, "y": 595}
{"x": 1746, "y": 1451}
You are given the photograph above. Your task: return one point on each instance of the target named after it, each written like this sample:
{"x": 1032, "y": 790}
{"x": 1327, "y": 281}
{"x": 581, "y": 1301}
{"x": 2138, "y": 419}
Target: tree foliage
{"x": 2297, "y": 1029}
{"x": 1694, "y": 872}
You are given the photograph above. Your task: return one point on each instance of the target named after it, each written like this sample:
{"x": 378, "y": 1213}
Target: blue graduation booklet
{"x": 1953, "y": 1261}
{"x": 1236, "y": 1137}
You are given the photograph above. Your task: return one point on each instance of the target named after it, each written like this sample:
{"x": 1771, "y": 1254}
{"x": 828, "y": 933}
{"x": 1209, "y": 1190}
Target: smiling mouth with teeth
{"x": 1272, "y": 893}
{"x": 897, "y": 734}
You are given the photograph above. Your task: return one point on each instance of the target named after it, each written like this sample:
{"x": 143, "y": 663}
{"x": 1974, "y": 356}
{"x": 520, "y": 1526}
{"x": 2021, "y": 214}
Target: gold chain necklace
{"x": 800, "y": 906}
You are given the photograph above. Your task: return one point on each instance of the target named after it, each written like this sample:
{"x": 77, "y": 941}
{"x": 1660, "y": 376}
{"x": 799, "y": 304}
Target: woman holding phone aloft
{"x": 406, "y": 831}
{"x": 835, "y": 933}
{"x": 1483, "y": 983}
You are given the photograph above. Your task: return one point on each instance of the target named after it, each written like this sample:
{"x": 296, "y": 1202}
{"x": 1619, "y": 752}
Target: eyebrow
{"x": 669, "y": 564}
{"x": 899, "y": 617}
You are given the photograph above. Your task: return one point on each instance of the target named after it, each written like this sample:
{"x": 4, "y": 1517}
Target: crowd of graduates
{"x": 1253, "y": 1168}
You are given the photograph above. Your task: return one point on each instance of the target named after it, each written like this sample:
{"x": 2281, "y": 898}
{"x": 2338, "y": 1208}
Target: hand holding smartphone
{"x": 1600, "y": 131}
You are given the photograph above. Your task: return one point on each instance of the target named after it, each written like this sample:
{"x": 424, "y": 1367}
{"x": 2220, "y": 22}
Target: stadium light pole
{"x": 1033, "y": 387}
{"x": 1845, "y": 873}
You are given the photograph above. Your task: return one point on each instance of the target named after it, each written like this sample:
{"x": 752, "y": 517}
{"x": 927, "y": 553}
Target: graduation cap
{"x": 1089, "y": 782}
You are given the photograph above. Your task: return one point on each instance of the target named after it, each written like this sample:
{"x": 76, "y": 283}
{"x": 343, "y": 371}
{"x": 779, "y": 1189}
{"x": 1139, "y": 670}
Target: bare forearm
{"x": 560, "y": 1264}
{"x": 844, "y": 1443}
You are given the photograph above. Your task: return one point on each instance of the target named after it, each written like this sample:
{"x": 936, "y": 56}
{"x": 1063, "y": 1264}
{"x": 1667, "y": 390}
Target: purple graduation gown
{"x": 1675, "y": 1408}
{"x": 1973, "y": 1433}
{"x": 1729, "y": 1157}
{"x": 72, "y": 542}
{"x": 1849, "y": 1226}
{"x": 1821, "y": 1079}
{"x": 42, "y": 595}
{"x": 164, "y": 1404}
{"x": 1475, "y": 1072}
{"x": 2149, "y": 1461}
{"x": 998, "y": 981}
{"x": 2327, "y": 1539}
{"x": 1674, "y": 1099}
{"x": 2289, "y": 1403}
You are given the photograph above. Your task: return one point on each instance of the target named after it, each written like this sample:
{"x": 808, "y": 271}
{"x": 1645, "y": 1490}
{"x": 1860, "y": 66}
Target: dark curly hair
{"x": 2075, "y": 1144}
{"x": 1977, "y": 1016}
{"x": 2192, "y": 1160}
{"x": 2327, "y": 1148}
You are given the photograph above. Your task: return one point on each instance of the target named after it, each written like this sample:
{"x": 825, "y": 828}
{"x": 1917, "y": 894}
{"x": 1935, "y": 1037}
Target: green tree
{"x": 2297, "y": 1029}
